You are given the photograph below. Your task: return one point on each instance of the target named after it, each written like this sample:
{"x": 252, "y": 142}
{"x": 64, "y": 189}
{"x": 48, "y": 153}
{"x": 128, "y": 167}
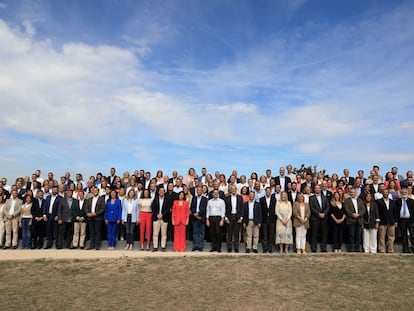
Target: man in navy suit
{"x": 252, "y": 221}
{"x": 405, "y": 215}
{"x": 50, "y": 212}
{"x": 198, "y": 212}
{"x": 268, "y": 206}
{"x": 282, "y": 179}
{"x": 161, "y": 215}
{"x": 234, "y": 218}
{"x": 388, "y": 221}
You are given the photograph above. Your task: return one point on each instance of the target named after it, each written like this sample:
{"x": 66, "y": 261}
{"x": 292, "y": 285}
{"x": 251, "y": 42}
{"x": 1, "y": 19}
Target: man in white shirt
{"x": 11, "y": 210}
{"x": 252, "y": 222}
{"x": 216, "y": 209}
{"x": 355, "y": 211}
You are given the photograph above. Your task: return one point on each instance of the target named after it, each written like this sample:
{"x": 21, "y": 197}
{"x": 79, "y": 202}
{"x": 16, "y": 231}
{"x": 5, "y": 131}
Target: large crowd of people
{"x": 289, "y": 212}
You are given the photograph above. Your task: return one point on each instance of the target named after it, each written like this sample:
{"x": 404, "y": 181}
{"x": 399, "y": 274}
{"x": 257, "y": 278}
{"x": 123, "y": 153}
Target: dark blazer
{"x": 316, "y": 209}
{"x": 202, "y": 208}
{"x": 99, "y": 209}
{"x": 373, "y": 189}
{"x": 37, "y": 209}
{"x": 328, "y": 195}
{"x": 221, "y": 195}
{"x": 410, "y": 206}
{"x": 287, "y": 180}
{"x": 77, "y": 212}
{"x": 268, "y": 212}
{"x": 387, "y": 217}
{"x": 350, "y": 209}
{"x": 111, "y": 182}
{"x": 239, "y": 206}
{"x": 370, "y": 219}
{"x": 172, "y": 196}
{"x": 302, "y": 187}
{"x": 290, "y": 197}
{"x": 54, "y": 208}
{"x": 64, "y": 211}
{"x": 165, "y": 209}
{"x": 257, "y": 213}
{"x": 351, "y": 180}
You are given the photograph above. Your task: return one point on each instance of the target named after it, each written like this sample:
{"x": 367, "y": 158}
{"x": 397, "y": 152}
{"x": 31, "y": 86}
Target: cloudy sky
{"x": 246, "y": 85}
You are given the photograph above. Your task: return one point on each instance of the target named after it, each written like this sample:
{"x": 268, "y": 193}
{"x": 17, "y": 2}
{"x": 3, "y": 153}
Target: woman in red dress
{"x": 180, "y": 214}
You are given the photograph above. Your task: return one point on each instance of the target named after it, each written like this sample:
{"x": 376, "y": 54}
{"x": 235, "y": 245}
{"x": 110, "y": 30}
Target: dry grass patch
{"x": 211, "y": 283}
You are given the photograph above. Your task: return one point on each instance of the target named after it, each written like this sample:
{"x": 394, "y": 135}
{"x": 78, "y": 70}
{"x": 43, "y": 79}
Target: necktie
{"x": 404, "y": 208}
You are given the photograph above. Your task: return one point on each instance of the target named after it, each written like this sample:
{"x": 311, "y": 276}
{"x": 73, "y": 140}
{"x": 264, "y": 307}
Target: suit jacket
{"x": 387, "y": 216}
{"x": 202, "y": 208}
{"x": 257, "y": 213}
{"x": 99, "y": 209}
{"x": 54, "y": 207}
{"x": 221, "y": 195}
{"x": 165, "y": 209}
{"x": 296, "y": 212}
{"x": 287, "y": 180}
{"x": 290, "y": 197}
{"x": 303, "y": 186}
{"x": 268, "y": 211}
{"x": 351, "y": 180}
{"x": 64, "y": 211}
{"x": 350, "y": 209}
{"x": 17, "y": 207}
{"x": 179, "y": 213}
{"x": 328, "y": 195}
{"x": 37, "y": 209}
{"x": 371, "y": 217}
{"x": 77, "y": 212}
{"x": 111, "y": 182}
{"x": 239, "y": 206}
{"x": 316, "y": 208}
{"x": 410, "y": 206}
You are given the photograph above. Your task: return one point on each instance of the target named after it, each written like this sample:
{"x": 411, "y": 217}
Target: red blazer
{"x": 180, "y": 213}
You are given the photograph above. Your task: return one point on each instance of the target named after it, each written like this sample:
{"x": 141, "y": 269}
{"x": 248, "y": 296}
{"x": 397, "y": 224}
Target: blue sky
{"x": 246, "y": 85}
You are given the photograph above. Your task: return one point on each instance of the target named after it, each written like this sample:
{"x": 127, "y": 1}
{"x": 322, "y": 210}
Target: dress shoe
{"x": 255, "y": 251}
{"x": 247, "y": 250}
{"x": 194, "y": 249}
{"x": 200, "y": 249}
{"x": 229, "y": 250}
{"x": 219, "y": 250}
{"x": 47, "y": 247}
{"x": 82, "y": 247}
{"x": 270, "y": 251}
{"x": 213, "y": 250}
{"x": 97, "y": 248}
{"x": 39, "y": 246}
{"x": 236, "y": 250}
{"x": 6, "y": 247}
{"x": 163, "y": 249}
{"x": 90, "y": 247}
{"x": 73, "y": 247}
{"x": 14, "y": 247}
{"x": 155, "y": 250}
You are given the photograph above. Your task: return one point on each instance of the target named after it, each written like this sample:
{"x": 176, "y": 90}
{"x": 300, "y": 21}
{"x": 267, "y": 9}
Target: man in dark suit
{"x": 308, "y": 182}
{"x": 65, "y": 220}
{"x": 38, "y": 224}
{"x": 216, "y": 187}
{"x": 111, "y": 178}
{"x": 198, "y": 209}
{"x": 161, "y": 215}
{"x": 405, "y": 214}
{"x": 95, "y": 209}
{"x": 268, "y": 206}
{"x": 233, "y": 218}
{"x": 282, "y": 180}
{"x": 348, "y": 179}
{"x": 319, "y": 207}
{"x": 325, "y": 192}
{"x": 355, "y": 211}
{"x": 252, "y": 221}
{"x": 50, "y": 217}
{"x": 292, "y": 194}
{"x": 388, "y": 221}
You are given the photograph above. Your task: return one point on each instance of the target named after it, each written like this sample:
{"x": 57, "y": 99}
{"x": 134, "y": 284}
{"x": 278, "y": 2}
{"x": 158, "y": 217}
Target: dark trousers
{"x": 215, "y": 231}
{"x": 354, "y": 234}
{"x": 268, "y": 236}
{"x": 52, "y": 231}
{"x": 199, "y": 229}
{"x": 406, "y": 224}
{"x": 337, "y": 235}
{"x": 38, "y": 233}
{"x": 65, "y": 235}
{"x": 233, "y": 233}
{"x": 319, "y": 228}
{"x": 95, "y": 229}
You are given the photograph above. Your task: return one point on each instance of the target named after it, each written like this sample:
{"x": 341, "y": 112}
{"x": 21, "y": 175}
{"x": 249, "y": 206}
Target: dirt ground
{"x": 122, "y": 280}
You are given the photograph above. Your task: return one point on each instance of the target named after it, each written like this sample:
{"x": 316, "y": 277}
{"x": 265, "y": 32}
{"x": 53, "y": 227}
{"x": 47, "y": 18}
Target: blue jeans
{"x": 198, "y": 233}
{"x": 129, "y": 230}
{"x": 111, "y": 229}
{"x": 26, "y": 233}
{"x": 354, "y": 237}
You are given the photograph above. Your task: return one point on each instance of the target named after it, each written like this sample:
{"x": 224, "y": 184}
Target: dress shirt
{"x": 233, "y": 204}
{"x": 161, "y": 200}
{"x": 13, "y": 203}
{"x": 251, "y": 210}
{"x": 355, "y": 202}
{"x": 52, "y": 201}
{"x": 268, "y": 201}
{"x": 94, "y": 201}
{"x": 216, "y": 207}
{"x": 129, "y": 211}
{"x": 198, "y": 204}
{"x": 319, "y": 198}
{"x": 404, "y": 213}
{"x": 282, "y": 183}
{"x": 81, "y": 204}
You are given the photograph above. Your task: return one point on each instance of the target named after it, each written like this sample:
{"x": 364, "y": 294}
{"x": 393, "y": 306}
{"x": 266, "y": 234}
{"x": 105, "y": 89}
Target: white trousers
{"x": 370, "y": 240}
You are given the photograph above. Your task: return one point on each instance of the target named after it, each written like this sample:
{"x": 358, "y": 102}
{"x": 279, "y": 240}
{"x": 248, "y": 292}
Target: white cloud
{"x": 3, "y": 5}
